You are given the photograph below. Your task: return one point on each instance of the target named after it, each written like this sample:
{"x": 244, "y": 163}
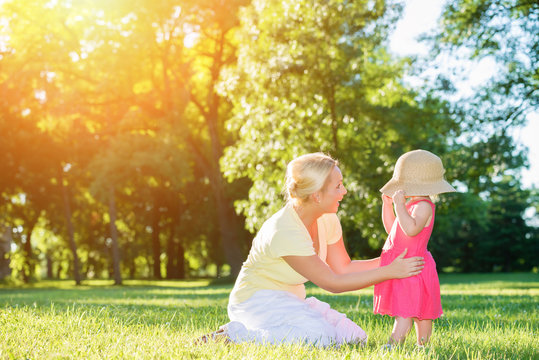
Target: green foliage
{"x": 122, "y": 101}
{"x": 152, "y": 160}
{"x": 510, "y": 243}
{"x": 133, "y": 94}
{"x": 460, "y": 227}
{"x": 508, "y": 33}
{"x": 316, "y": 77}
{"x": 311, "y": 76}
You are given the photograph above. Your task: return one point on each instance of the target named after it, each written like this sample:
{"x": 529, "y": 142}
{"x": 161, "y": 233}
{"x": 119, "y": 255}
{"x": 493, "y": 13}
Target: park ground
{"x": 486, "y": 316}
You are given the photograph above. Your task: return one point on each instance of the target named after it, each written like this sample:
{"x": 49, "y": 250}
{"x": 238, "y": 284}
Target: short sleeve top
{"x": 283, "y": 234}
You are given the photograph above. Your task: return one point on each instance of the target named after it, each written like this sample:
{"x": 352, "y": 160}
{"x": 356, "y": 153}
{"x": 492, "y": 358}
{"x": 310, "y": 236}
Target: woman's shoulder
{"x": 331, "y": 225}
{"x": 282, "y": 222}
{"x": 330, "y": 218}
{"x": 286, "y": 217}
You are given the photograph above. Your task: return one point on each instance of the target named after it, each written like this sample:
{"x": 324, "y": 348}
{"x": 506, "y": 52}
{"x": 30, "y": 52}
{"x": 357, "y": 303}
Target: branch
{"x": 199, "y": 157}
{"x": 198, "y": 105}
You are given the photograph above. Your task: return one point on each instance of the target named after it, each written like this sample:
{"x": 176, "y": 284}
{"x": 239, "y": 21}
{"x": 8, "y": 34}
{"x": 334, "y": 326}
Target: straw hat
{"x": 418, "y": 173}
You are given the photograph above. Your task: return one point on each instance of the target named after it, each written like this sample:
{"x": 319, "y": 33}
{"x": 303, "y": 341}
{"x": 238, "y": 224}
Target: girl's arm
{"x": 414, "y": 223}
{"x": 315, "y": 270}
{"x": 388, "y": 216}
{"x": 339, "y": 261}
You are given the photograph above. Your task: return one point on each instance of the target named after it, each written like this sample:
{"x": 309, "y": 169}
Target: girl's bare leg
{"x": 423, "y": 330}
{"x": 401, "y": 328}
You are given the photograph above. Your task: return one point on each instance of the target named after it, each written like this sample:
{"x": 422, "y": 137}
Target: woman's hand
{"x": 403, "y": 268}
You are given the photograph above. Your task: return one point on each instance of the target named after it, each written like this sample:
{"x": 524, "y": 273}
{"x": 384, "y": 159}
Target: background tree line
{"x": 149, "y": 138}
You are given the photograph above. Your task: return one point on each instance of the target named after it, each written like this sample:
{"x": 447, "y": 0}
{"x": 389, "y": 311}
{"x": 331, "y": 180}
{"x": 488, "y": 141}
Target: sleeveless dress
{"x": 417, "y": 296}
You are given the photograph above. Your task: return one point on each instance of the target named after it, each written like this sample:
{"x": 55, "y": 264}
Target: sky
{"x": 421, "y": 16}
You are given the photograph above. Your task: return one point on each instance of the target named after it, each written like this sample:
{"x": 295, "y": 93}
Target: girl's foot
{"x": 421, "y": 348}
{"x": 389, "y": 347}
{"x": 392, "y": 344}
{"x": 216, "y": 336}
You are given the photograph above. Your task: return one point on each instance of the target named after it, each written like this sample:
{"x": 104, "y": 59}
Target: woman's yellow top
{"x": 283, "y": 234}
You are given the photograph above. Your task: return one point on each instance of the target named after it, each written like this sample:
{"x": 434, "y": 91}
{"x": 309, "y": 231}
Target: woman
{"x": 303, "y": 242}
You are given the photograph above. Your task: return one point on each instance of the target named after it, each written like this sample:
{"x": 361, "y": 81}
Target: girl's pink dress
{"x": 417, "y": 296}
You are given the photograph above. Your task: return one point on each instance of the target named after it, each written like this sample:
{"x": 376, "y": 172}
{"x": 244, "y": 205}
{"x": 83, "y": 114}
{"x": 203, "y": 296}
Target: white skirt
{"x": 274, "y": 317}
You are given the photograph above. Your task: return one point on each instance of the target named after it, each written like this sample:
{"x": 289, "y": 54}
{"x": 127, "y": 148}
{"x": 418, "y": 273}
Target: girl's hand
{"x": 398, "y": 197}
{"x": 386, "y": 199}
{"x": 403, "y": 268}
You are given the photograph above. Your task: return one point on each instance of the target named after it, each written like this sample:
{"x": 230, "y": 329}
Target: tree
{"x": 315, "y": 76}
{"x": 510, "y": 241}
{"x": 460, "y": 228}
{"x": 28, "y": 83}
{"x": 5, "y": 248}
{"x": 508, "y": 33}
{"x": 104, "y": 69}
{"x": 147, "y": 163}
{"x": 508, "y": 30}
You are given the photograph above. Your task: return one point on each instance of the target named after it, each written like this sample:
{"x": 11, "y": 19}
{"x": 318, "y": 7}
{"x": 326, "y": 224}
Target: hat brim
{"x": 415, "y": 189}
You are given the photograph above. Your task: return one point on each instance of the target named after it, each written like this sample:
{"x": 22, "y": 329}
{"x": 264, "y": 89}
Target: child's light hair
{"x": 306, "y": 175}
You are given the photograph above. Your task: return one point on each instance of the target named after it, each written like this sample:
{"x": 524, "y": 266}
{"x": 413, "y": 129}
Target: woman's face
{"x": 333, "y": 192}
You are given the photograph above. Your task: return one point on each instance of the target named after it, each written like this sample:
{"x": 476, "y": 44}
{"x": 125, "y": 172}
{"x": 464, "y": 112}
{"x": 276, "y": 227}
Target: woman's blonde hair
{"x": 306, "y": 175}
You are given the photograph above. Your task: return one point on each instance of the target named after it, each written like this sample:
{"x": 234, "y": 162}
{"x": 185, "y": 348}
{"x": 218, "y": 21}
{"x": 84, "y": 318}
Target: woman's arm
{"x": 388, "y": 216}
{"x": 314, "y": 269}
{"x": 339, "y": 260}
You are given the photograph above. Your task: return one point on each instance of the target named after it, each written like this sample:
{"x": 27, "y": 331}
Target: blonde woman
{"x": 303, "y": 242}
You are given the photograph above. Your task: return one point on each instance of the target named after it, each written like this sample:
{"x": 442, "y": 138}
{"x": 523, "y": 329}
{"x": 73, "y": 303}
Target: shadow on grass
{"x": 509, "y": 280}
{"x": 125, "y": 308}
{"x": 30, "y": 296}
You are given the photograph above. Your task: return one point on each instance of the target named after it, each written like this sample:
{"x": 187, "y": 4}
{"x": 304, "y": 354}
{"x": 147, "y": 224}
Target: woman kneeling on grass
{"x": 303, "y": 242}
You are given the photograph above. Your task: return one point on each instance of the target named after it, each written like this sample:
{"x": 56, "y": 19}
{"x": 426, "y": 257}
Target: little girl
{"x": 418, "y": 175}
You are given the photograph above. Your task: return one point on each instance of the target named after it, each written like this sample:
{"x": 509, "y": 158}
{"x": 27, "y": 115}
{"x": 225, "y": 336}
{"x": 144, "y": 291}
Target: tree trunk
{"x": 156, "y": 246}
{"x": 70, "y": 231}
{"x": 5, "y": 249}
{"x": 180, "y": 264}
{"x": 176, "y": 257}
{"x": 59, "y": 270}
{"x": 114, "y": 237}
{"x": 172, "y": 260}
{"x": 50, "y": 273}
{"x": 228, "y": 228}
{"x": 227, "y": 218}
{"x": 29, "y": 261}
{"x": 132, "y": 265}
{"x": 175, "y": 250}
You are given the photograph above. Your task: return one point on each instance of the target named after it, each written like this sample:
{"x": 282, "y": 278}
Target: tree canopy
{"x": 150, "y": 138}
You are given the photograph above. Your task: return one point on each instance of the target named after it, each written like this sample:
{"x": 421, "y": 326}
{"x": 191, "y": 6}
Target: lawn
{"x": 487, "y": 316}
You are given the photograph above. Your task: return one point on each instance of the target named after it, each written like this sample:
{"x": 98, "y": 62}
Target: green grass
{"x": 487, "y": 316}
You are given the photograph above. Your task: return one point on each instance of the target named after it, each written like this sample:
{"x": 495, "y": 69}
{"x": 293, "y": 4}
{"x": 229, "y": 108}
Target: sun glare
{"x": 191, "y": 39}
